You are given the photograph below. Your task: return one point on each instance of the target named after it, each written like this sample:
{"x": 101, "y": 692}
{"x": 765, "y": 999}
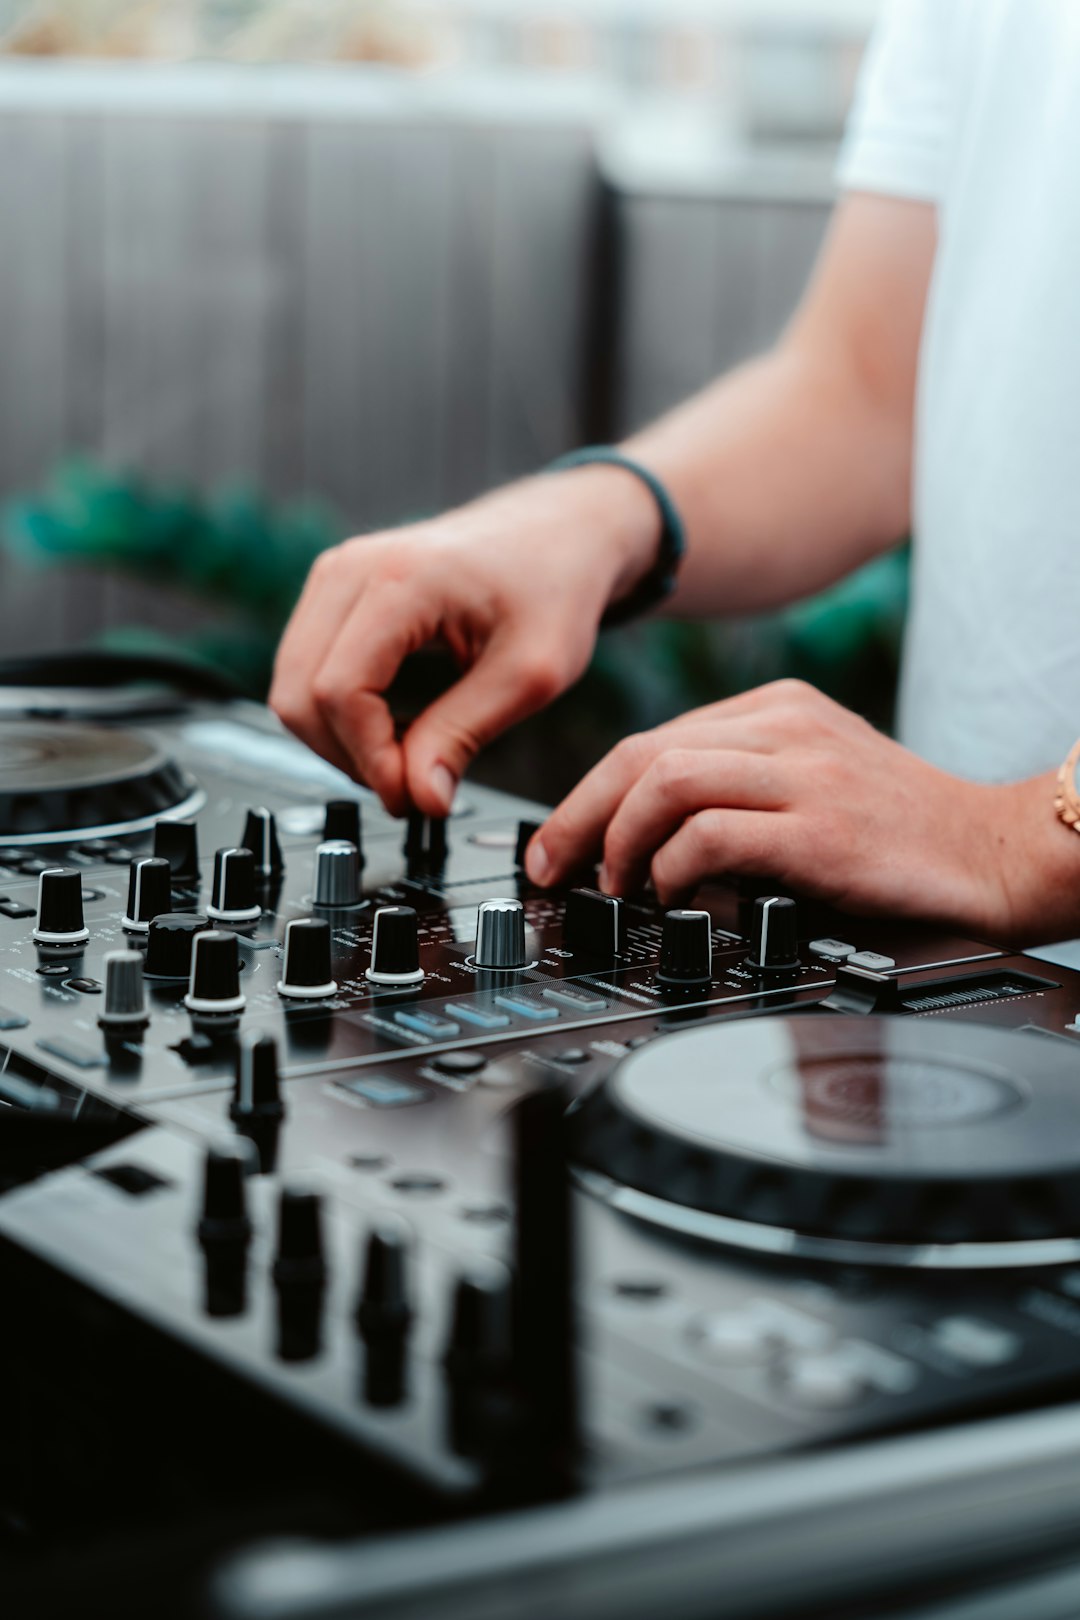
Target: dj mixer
{"x": 351, "y": 1183}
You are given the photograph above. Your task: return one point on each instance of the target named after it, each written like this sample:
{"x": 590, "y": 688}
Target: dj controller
{"x": 353, "y": 1185}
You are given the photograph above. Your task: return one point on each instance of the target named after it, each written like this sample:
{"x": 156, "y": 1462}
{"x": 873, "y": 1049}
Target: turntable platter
{"x": 880, "y": 1131}
{"x": 63, "y": 781}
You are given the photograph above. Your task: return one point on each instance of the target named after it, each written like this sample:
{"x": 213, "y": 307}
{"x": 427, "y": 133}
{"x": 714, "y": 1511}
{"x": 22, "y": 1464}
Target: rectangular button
{"x": 871, "y": 961}
{"x": 12, "y": 908}
{"x": 435, "y": 1028}
{"x": 80, "y": 1057}
{"x": 12, "y": 1020}
{"x": 583, "y": 1001}
{"x": 479, "y": 1017}
{"x": 382, "y": 1093}
{"x": 525, "y": 1008}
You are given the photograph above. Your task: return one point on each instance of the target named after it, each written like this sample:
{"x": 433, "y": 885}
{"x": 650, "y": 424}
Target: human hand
{"x": 514, "y": 585}
{"x": 784, "y": 783}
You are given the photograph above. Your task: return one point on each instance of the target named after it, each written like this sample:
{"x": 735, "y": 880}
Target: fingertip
{"x": 539, "y": 866}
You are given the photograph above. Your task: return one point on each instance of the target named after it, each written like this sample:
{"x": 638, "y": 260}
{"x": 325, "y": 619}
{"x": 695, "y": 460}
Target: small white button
{"x": 979, "y": 1344}
{"x": 823, "y": 1381}
{"x": 871, "y": 961}
{"x": 836, "y": 948}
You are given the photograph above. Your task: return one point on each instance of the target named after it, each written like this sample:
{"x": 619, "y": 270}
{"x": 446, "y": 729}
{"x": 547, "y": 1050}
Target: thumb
{"x": 507, "y": 683}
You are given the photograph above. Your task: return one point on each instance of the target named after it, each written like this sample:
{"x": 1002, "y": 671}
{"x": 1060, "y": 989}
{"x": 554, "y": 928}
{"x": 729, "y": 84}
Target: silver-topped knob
{"x": 337, "y": 875}
{"x": 500, "y": 935}
{"x": 125, "y": 995}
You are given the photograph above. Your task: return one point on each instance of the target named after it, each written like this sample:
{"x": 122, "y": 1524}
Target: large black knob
{"x": 306, "y": 972}
{"x": 337, "y": 876}
{"x": 124, "y": 1010}
{"x": 500, "y": 936}
{"x": 395, "y": 947}
{"x": 686, "y": 949}
{"x": 774, "y": 935}
{"x": 60, "y": 908}
{"x": 425, "y": 840}
{"x": 384, "y": 1309}
{"x": 214, "y": 988}
{"x": 149, "y": 893}
{"x": 261, "y": 837}
{"x": 594, "y": 925}
{"x": 178, "y": 843}
{"x": 233, "y": 895}
{"x": 257, "y": 1092}
{"x": 170, "y": 942}
{"x": 343, "y": 825}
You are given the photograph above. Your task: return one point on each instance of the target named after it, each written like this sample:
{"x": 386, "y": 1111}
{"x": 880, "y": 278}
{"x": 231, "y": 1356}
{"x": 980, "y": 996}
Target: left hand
{"x": 786, "y": 784}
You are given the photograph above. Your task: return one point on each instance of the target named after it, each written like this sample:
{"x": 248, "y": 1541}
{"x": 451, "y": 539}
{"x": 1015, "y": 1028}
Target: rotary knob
{"x": 337, "y": 876}
{"x": 214, "y": 988}
{"x": 594, "y": 924}
{"x": 233, "y": 898}
{"x": 395, "y": 947}
{"x": 774, "y": 935}
{"x": 425, "y": 840}
{"x": 686, "y": 949}
{"x": 343, "y": 825}
{"x": 60, "y": 908}
{"x": 306, "y": 974}
{"x": 500, "y": 935}
{"x": 149, "y": 893}
{"x": 124, "y": 1011}
{"x": 170, "y": 942}
{"x": 261, "y": 837}
{"x": 178, "y": 843}
{"x": 257, "y": 1092}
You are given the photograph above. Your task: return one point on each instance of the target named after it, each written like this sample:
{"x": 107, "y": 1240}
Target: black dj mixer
{"x": 353, "y": 1184}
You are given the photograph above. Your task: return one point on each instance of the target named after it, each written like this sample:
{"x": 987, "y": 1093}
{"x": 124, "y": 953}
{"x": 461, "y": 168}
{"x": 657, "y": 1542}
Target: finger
{"x": 322, "y": 609}
{"x": 509, "y": 681}
{"x": 718, "y": 843}
{"x": 575, "y": 830}
{"x": 678, "y": 784}
{"x": 388, "y": 623}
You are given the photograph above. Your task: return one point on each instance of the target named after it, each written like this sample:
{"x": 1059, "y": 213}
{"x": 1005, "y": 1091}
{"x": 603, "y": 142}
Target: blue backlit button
{"x": 527, "y": 1007}
{"x": 478, "y": 1017}
{"x": 581, "y": 1001}
{"x": 379, "y": 1092}
{"x": 429, "y": 1024}
{"x": 835, "y": 948}
{"x": 871, "y": 961}
{"x": 978, "y": 1343}
{"x": 14, "y": 1020}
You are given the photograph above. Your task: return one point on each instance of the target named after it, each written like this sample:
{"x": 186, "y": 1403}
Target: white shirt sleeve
{"x": 897, "y": 135}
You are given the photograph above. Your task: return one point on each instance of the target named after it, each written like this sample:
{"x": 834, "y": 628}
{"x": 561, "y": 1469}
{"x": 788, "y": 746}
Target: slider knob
{"x": 384, "y": 1309}
{"x": 300, "y": 1258}
{"x": 224, "y": 1217}
{"x": 425, "y": 840}
{"x": 343, "y": 824}
{"x": 594, "y": 924}
{"x": 257, "y": 1093}
{"x": 170, "y": 942}
{"x": 60, "y": 908}
{"x": 214, "y": 987}
{"x": 500, "y": 935}
{"x": 395, "y": 947}
{"x": 178, "y": 843}
{"x": 306, "y": 974}
{"x": 481, "y": 1322}
{"x": 774, "y": 935}
{"x": 337, "y": 875}
{"x": 261, "y": 837}
{"x": 149, "y": 893}
{"x": 125, "y": 996}
{"x": 233, "y": 898}
{"x": 686, "y": 949}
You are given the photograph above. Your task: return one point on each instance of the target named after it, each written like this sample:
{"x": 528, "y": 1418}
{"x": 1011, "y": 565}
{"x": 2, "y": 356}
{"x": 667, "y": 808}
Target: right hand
{"x": 514, "y": 585}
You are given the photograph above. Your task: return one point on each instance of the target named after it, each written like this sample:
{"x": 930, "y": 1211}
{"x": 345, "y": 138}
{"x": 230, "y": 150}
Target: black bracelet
{"x": 659, "y": 582}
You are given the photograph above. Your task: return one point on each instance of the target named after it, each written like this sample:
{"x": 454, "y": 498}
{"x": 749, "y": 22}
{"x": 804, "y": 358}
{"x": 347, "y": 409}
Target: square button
{"x": 379, "y": 1092}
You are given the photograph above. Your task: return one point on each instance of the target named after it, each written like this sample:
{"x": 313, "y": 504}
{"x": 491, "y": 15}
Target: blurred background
{"x": 273, "y": 272}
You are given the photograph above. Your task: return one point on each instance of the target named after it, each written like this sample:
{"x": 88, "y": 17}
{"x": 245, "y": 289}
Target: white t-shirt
{"x": 975, "y": 106}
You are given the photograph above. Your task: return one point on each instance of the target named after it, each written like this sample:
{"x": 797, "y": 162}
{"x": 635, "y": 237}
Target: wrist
{"x": 621, "y": 517}
{"x": 1038, "y": 865}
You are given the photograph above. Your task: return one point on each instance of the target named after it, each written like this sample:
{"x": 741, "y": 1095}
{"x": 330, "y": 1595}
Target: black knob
{"x": 178, "y": 843}
{"x": 500, "y": 936}
{"x": 337, "y": 876}
{"x": 214, "y": 987}
{"x": 300, "y": 1257}
{"x": 261, "y": 837}
{"x": 170, "y": 942}
{"x": 233, "y": 896}
{"x": 149, "y": 893}
{"x": 527, "y": 830}
{"x": 774, "y": 935}
{"x": 257, "y": 1092}
{"x": 594, "y": 925}
{"x": 686, "y": 949}
{"x": 425, "y": 840}
{"x": 60, "y": 908}
{"x": 224, "y": 1216}
{"x": 343, "y": 825}
{"x": 384, "y": 1309}
{"x": 124, "y": 1011}
{"x": 306, "y": 974}
{"x": 481, "y": 1323}
{"x": 395, "y": 947}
